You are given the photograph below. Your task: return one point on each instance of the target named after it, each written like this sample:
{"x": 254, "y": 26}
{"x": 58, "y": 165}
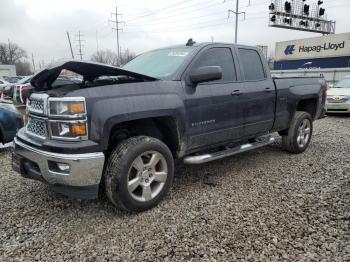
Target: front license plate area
{"x": 17, "y": 163}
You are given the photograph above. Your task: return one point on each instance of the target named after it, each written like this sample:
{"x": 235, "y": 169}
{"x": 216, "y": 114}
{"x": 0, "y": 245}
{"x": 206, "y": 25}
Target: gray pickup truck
{"x": 120, "y": 130}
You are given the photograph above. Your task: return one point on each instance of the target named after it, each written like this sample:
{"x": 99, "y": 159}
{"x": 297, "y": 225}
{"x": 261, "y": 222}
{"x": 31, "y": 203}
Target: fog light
{"x": 59, "y": 168}
{"x": 63, "y": 167}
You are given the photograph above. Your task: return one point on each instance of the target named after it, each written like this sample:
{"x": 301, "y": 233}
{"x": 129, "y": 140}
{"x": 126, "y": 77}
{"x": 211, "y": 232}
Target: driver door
{"x": 213, "y": 109}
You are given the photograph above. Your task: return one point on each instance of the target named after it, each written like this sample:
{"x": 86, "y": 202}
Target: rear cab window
{"x": 253, "y": 68}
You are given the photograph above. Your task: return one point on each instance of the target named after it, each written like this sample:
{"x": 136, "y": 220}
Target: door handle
{"x": 236, "y": 93}
{"x": 268, "y": 89}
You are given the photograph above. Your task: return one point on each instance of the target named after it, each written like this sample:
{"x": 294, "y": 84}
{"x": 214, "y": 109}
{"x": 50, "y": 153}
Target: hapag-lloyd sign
{"x": 318, "y": 47}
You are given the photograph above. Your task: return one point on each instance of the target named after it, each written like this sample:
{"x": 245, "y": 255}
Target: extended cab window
{"x": 219, "y": 56}
{"x": 252, "y": 65}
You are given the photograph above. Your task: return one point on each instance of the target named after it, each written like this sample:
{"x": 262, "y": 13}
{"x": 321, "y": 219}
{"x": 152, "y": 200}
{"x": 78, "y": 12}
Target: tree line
{"x": 111, "y": 58}
{"x": 12, "y": 54}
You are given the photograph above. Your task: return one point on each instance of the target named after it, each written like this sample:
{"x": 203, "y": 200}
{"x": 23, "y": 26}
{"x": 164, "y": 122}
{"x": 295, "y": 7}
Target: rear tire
{"x": 299, "y": 133}
{"x": 139, "y": 173}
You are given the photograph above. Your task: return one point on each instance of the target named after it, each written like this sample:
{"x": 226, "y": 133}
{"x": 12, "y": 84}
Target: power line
{"x": 165, "y": 20}
{"x": 160, "y": 9}
{"x": 185, "y": 28}
{"x": 172, "y": 21}
{"x": 185, "y": 12}
{"x": 201, "y": 25}
{"x": 204, "y": 24}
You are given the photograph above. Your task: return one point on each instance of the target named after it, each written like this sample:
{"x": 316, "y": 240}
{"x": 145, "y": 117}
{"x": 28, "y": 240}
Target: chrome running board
{"x": 200, "y": 159}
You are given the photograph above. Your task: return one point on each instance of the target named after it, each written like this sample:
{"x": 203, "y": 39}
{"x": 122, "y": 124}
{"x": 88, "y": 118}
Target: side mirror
{"x": 205, "y": 74}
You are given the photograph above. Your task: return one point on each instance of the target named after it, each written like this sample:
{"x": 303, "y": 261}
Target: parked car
{"x": 196, "y": 103}
{"x": 10, "y": 121}
{"x": 25, "y": 89}
{"x": 22, "y": 90}
{"x": 12, "y": 79}
{"x": 3, "y": 85}
{"x": 338, "y": 97}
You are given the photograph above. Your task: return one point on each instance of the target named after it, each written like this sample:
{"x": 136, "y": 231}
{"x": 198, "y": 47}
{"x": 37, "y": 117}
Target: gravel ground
{"x": 262, "y": 205}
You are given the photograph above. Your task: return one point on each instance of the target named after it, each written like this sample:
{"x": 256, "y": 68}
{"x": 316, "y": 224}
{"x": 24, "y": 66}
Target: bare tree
{"x": 111, "y": 58}
{"x": 126, "y": 56}
{"x": 11, "y": 53}
{"x": 23, "y": 68}
{"x": 106, "y": 57}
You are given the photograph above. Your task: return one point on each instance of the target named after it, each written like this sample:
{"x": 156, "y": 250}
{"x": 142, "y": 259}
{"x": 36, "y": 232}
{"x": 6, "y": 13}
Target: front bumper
{"x": 81, "y": 180}
{"x": 338, "y": 107}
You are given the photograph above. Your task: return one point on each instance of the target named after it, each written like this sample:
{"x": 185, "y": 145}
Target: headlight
{"x": 68, "y": 130}
{"x": 68, "y": 119}
{"x": 69, "y": 107}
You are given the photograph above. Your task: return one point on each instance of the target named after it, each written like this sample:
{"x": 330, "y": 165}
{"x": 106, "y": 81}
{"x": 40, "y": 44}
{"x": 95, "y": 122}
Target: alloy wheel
{"x": 147, "y": 176}
{"x": 304, "y": 131}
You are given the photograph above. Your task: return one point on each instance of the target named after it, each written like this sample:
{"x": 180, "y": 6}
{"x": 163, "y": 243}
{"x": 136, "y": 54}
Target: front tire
{"x": 139, "y": 173}
{"x": 299, "y": 134}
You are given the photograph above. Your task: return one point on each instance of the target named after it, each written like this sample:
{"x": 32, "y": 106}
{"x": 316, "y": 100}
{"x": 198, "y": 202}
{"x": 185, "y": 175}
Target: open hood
{"x": 89, "y": 70}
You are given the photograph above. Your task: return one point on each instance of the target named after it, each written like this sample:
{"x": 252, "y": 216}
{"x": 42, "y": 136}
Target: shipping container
{"x": 317, "y": 63}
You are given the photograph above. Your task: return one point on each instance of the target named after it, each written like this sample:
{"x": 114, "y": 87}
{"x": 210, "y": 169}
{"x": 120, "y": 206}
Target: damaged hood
{"x": 89, "y": 70}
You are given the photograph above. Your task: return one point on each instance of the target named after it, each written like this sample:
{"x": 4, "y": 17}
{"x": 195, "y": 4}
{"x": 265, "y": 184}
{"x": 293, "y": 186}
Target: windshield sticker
{"x": 178, "y": 53}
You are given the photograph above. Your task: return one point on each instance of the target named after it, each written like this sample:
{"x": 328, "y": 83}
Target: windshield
{"x": 3, "y": 81}
{"x": 159, "y": 63}
{"x": 345, "y": 83}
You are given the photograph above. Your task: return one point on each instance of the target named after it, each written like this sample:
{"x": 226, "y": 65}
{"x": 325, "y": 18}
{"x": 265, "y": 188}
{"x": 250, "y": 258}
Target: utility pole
{"x": 117, "y": 28}
{"x": 96, "y": 41}
{"x": 236, "y": 13}
{"x": 10, "y": 52}
{"x": 79, "y": 40}
{"x": 33, "y": 62}
{"x": 70, "y": 45}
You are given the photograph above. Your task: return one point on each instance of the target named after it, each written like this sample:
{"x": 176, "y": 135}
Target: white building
{"x": 7, "y": 70}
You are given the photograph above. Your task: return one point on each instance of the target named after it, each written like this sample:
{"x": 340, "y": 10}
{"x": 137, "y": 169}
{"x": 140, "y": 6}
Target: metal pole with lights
{"x": 297, "y": 15}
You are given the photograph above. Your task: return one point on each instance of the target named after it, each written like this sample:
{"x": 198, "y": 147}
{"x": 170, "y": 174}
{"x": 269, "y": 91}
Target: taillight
{"x": 24, "y": 88}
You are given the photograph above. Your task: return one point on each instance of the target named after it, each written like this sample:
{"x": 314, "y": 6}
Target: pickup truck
{"x": 121, "y": 129}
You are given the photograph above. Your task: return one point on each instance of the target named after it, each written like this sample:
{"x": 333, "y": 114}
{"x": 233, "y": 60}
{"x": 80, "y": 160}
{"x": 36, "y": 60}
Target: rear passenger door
{"x": 214, "y": 115}
{"x": 258, "y": 96}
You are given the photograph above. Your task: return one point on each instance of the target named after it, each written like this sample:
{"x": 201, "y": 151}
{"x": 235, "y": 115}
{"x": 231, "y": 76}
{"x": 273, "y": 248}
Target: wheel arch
{"x": 308, "y": 105}
{"x": 164, "y": 128}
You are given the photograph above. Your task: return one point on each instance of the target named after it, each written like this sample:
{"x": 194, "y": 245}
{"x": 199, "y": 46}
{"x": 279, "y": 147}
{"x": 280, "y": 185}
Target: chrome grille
{"x": 337, "y": 99}
{"x": 37, "y": 127}
{"x": 37, "y": 104}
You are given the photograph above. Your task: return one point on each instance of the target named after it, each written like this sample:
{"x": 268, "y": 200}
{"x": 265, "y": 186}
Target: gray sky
{"x": 39, "y": 26}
